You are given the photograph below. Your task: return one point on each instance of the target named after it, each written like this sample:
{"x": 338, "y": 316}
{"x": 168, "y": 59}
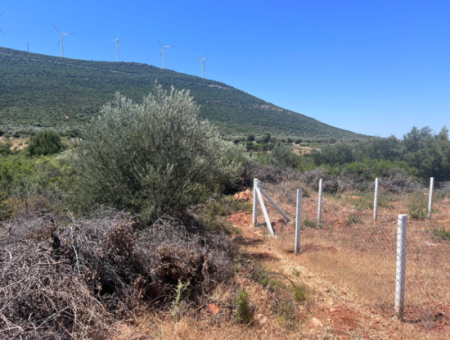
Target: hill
{"x": 46, "y": 91}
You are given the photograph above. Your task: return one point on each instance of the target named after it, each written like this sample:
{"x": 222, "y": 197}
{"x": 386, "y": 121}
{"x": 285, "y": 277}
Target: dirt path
{"x": 335, "y": 312}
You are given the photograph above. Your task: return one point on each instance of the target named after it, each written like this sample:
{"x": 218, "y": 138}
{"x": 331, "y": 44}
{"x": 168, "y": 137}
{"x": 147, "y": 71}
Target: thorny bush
{"x": 73, "y": 281}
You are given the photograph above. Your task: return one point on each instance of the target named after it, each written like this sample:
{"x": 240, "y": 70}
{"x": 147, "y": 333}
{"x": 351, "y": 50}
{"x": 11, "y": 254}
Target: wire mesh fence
{"x": 351, "y": 247}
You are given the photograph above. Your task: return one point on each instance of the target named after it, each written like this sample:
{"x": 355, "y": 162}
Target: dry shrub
{"x": 73, "y": 281}
{"x": 330, "y": 183}
{"x": 268, "y": 174}
{"x": 443, "y": 189}
{"x": 399, "y": 183}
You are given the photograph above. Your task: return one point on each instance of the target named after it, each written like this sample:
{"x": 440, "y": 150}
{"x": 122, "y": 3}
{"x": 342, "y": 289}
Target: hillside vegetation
{"x": 45, "y": 91}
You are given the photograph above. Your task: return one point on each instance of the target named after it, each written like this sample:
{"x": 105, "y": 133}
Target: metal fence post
{"x": 430, "y": 198}
{"x": 298, "y": 221}
{"x": 401, "y": 266}
{"x": 255, "y": 203}
{"x": 319, "y": 209}
{"x": 375, "y": 200}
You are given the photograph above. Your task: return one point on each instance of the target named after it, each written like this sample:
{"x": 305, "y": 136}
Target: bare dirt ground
{"x": 17, "y": 143}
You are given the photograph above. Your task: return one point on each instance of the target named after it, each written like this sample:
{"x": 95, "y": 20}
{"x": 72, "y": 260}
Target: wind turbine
{"x": 0, "y": 28}
{"x": 163, "y": 52}
{"x": 61, "y": 41}
{"x": 203, "y": 62}
{"x": 117, "y": 46}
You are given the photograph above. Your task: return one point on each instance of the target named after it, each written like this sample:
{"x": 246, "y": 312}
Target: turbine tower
{"x": 61, "y": 41}
{"x": 117, "y": 46}
{"x": 163, "y": 52}
{"x": 203, "y": 63}
{"x": 0, "y": 28}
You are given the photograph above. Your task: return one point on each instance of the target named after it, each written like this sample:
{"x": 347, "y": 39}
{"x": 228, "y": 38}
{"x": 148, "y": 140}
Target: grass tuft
{"x": 417, "y": 206}
{"x": 442, "y": 233}
{"x": 244, "y": 313}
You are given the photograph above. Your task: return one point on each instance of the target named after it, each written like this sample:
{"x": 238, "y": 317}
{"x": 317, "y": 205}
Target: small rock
{"x": 316, "y": 322}
{"x": 263, "y": 321}
{"x": 332, "y": 310}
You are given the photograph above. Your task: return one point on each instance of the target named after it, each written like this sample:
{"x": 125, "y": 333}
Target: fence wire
{"x": 350, "y": 249}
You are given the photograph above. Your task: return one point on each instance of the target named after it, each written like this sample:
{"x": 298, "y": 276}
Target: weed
{"x": 417, "y": 206}
{"x": 354, "y": 219}
{"x": 384, "y": 201}
{"x": 311, "y": 224}
{"x": 179, "y": 291}
{"x": 300, "y": 292}
{"x": 360, "y": 201}
{"x": 287, "y": 314}
{"x": 244, "y": 312}
{"x": 442, "y": 233}
{"x": 296, "y": 272}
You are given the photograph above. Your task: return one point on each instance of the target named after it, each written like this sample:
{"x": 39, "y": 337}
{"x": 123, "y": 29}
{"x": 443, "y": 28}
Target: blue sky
{"x": 377, "y": 67}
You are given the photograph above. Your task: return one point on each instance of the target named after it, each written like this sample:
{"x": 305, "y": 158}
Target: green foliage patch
{"x": 244, "y": 312}
{"x": 45, "y": 143}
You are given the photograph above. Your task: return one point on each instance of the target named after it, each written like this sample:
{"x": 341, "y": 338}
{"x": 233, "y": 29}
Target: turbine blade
{"x": 2, "y": 13}
{"x": 161, "y": 53}
{"x": 2, "y": 31}
{"x": 161, "y": 43}
{"x": 120, "y": 42}
{"x": 169, "y": 46}
{"x": 56, "y": 29}
{"x": 206, "y": 56}
{"x": 59, "y": 41}
{"x": 198, "y": 58}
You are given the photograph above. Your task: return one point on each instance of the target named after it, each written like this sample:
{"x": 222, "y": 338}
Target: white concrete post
{"x": 375, "y": 200}
{"x": 264, "y": 210}
{"x": 319, "y": 209}
{"x": 298, "y": 221}
{"x": 430, "y": 198}
{"x": 255, "y": 203}
{"x": 401, "y": 266}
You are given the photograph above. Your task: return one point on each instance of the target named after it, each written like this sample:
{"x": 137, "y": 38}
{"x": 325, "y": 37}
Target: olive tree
{"x": 152, "y": 158}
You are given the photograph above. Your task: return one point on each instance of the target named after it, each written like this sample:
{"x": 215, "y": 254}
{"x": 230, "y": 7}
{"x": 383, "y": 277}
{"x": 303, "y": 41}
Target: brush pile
{"x": 74, "y": 281}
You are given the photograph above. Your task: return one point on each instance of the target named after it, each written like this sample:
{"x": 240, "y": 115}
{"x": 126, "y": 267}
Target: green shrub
{"x": 5, "y": 148}
{"x": 155, "y": 158}
{"x": 45, "y": 143}
{"x": 244, "y": 312}
{"x": 417, "y": 206}
{"x": 282, "y": 156}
